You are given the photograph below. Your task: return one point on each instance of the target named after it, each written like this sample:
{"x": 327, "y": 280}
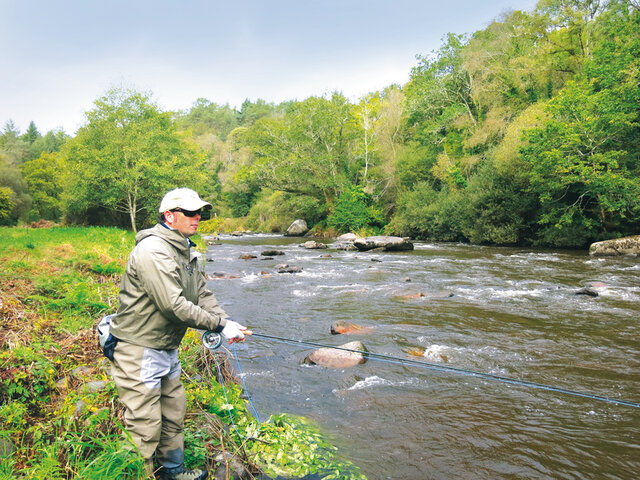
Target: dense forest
{"x": 524, "y": 133}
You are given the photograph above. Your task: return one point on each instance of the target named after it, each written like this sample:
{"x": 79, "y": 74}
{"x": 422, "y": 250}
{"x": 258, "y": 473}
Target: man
{"x": 162, "y": 294}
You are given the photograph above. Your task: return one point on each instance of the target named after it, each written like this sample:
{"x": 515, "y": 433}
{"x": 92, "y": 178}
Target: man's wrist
{"x": 221, "y": 324}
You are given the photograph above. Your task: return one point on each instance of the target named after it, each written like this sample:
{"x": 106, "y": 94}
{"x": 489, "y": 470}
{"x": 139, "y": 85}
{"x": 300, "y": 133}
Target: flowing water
{"x": 513, "y": 312}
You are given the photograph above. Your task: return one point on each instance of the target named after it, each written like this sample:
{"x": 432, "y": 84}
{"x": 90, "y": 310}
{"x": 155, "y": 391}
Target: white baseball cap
{"x": 184, "y": 198}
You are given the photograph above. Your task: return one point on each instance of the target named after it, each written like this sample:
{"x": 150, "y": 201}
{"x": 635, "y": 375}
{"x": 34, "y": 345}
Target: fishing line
{"x": 449, "y": 369}
{"x": 224, "y": 390}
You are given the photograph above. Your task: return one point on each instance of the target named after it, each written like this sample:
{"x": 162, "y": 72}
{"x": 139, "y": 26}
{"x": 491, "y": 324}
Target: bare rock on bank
{"x": 334, "y": 358}
{"x": 618, "y": 246}
{"x": 341, "y": 328}
{"x": 297, "y": 229}
{"x": 387, "y": 243}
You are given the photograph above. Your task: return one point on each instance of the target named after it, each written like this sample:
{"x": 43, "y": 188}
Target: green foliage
{"x": 125, "y": 159}
{"x": 427, "y": 214}
{"x": 28, "y": 376}
{"x": 109, "y": 458}
{"x": 499, "y": 210}
{"x": 43, "y": 176}
{"x": 294, "y": 447}
{"x": 14, "y": 195}
{"x": 306, "y": 152}
{"x": 275, "y": 211}
{"x": 580, "y": 169}
{"x": 205, "y": 116}
{"x": 353, "y": 211}
{"x": 6, "y": 204}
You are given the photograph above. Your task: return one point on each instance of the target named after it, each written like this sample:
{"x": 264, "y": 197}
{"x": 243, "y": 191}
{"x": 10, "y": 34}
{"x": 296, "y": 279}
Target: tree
{"x": 584, "y": 158}
{"x": 126, "y": 157}
{"x": 32, "y": 134}
{"x": 353, "y": 211}
{"x": 44, "y": 176}
{"x": 580, "y": 166}
{"x": 15, "y": 188}
{"x": 307, "y": 151}
{"x": 208, "y": 117}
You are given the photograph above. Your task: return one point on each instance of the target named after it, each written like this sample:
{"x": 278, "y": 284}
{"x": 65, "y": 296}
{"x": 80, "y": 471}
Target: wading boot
{"x": 182, "y": 473}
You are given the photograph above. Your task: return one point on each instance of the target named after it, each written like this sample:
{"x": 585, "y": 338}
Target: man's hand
{"x": 234, "y": 331}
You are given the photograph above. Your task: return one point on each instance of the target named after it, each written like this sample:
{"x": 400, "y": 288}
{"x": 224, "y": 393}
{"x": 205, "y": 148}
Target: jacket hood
{"x": 173, "y": 237}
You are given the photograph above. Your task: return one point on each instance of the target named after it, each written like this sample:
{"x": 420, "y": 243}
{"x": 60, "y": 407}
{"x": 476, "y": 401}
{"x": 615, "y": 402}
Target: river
{"x": 513, "y": 312}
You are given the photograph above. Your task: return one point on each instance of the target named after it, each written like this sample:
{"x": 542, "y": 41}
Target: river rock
{"x": 313, "y": 245}
{"x": 587, "y": 291}
{"x": 618, "y": 246}
{"x": 272, "y": 253}
{"x": 387, "y": 243}
{"x": 346, "y": 246}
{"x": 220, "y": 276}
{"x": 247, "y": 256}
{"x": 341, "y": 328}
{"x": 333, "y": 358}
{"x": 297, "y": 229}
{"x": 285, "y": 268}
{"x": 347, "y": 237}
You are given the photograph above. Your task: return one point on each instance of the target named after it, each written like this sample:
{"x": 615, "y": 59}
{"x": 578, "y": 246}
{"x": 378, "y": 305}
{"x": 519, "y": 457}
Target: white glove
{"x": 233, "y": 331}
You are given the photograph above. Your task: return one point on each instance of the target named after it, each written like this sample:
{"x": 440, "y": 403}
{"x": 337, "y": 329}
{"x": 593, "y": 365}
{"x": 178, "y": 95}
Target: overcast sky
{"x": 58, "y": 57}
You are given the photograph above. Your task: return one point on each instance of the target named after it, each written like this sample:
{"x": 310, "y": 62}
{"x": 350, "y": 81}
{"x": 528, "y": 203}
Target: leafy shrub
{"x": 293, "y": 447}
{"x": 353, "y": 210}
{"x": 27, "y": 376}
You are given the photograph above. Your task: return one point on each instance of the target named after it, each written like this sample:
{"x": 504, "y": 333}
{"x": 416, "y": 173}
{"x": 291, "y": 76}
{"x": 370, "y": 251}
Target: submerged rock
{"x": 220, "y": 276}
{"x": 334, "y": 358}
{"x": 341, "y": 328}
{"x": 587, "y": 291}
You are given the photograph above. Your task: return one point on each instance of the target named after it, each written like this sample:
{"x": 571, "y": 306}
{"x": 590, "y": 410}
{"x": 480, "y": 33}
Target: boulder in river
{"x": 297, "y": 229}
{"x": 341, "y": 328}
{"x": 313, "y": 245}
{"x": 286, "y": 268}
{"x": 587, "y": 291}
{"x": 272, "y": 253}
{"x": 385, "y": 242}
{"x": 347, "y": 237}
{"x": 618, "y": 246}
{"x": 334, "y": 358}
{"x": 220, "y": 276}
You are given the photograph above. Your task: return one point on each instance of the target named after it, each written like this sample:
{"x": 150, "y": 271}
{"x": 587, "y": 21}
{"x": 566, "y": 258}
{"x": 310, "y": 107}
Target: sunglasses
{"x": 188, "y": 213}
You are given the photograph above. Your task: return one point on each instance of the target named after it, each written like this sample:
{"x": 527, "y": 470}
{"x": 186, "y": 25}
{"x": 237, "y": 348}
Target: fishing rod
{"x": 212, "y": 341}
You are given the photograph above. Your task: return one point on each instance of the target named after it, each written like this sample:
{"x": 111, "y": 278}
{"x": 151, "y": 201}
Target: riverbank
{"x": 59, "y": 413}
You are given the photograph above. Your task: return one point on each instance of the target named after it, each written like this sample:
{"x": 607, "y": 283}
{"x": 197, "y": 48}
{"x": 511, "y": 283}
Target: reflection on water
{"x": 511, "y": 312}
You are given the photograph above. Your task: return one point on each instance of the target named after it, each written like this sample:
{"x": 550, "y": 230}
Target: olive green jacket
{"x": 163, "y": 293}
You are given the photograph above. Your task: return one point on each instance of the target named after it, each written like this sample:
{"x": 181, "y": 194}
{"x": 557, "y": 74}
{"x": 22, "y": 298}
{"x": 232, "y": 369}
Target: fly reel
{"x": 211, "y": 340}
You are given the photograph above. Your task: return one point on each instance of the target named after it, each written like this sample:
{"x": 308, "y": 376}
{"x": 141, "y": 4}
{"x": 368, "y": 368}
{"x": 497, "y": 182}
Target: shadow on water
{"x": 506, "y": 311}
